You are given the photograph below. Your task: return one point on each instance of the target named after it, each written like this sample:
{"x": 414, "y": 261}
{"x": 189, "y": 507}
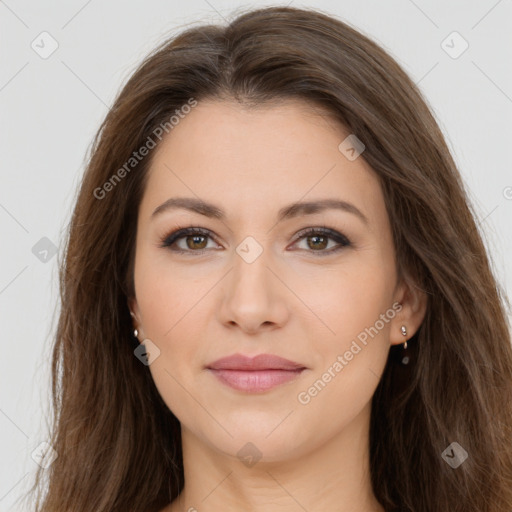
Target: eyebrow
{"x": 293, "y": 210}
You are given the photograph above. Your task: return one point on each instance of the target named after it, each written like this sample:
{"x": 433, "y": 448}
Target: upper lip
{"x": 259, "y": 362}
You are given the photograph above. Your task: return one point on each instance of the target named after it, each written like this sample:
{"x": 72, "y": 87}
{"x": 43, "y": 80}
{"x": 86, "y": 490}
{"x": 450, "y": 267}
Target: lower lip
{"x": 256, "y": 380}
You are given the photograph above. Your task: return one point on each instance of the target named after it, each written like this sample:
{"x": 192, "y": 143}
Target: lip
{"x": 255, "y": 374}
{"x": 259, "y": 362}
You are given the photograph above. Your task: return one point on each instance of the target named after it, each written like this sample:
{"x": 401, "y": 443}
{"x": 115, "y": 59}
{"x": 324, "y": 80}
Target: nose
{"x": 254, "y": 296}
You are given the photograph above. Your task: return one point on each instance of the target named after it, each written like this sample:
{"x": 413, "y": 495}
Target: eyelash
{"x": 168, "y": 240}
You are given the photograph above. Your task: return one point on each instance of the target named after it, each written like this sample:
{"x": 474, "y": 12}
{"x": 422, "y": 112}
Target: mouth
{"x": 256, "y": 374}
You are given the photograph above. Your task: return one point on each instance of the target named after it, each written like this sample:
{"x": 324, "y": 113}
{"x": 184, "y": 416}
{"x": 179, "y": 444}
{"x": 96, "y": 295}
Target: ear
{"x": 414, "y": 306}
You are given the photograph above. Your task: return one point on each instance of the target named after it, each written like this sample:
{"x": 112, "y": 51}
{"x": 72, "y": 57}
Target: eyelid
{"x": 323, "y": 230}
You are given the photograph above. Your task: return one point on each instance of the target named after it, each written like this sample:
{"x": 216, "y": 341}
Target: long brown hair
{"x": 118, "y": 444}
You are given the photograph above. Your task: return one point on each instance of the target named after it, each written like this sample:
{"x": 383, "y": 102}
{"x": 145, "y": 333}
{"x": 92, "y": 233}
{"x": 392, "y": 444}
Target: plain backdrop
{"x": 51, "y": 106}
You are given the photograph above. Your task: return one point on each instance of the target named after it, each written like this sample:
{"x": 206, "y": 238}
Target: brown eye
{"x": 317, "y": 240}
{"x": 196, "y": 240}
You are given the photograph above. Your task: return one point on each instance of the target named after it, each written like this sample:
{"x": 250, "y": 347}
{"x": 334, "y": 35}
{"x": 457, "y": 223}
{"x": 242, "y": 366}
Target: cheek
{"x": 166, "y": 294}
{"x": 178, "y": 338}
{"x": 352, "y": 360}
{"x": 170, "y": 303}
{"x": 348, "y": 300}
{"x": 350, "y": 303}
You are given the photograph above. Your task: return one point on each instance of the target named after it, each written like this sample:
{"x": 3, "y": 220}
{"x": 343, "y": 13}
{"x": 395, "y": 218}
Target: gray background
{"x": 51, "y": 108}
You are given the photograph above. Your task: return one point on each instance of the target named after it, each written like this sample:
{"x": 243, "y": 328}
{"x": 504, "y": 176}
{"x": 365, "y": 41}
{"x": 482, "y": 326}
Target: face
{"x": 250, "y": 279}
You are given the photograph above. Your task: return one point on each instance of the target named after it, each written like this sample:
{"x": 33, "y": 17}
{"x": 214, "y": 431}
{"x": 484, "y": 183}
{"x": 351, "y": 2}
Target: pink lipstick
{"x": 255, "y": 374}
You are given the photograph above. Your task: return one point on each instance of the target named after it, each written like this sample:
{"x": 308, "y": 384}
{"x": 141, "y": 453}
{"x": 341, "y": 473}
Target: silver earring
{"x": 135, "y": 332}
{"x": 405, "y": 358}
{"x": 404, "y": 332}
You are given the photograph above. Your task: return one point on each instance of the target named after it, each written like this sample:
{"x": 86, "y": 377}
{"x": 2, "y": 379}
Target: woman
{"x": 275, "y": 296}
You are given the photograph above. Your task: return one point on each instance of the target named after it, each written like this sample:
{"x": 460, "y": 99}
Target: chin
{"x": 260, "y": 441}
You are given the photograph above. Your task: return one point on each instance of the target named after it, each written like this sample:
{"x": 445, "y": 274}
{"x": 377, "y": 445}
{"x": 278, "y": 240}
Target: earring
{"x": 404, "y": 332}
{"x": 135, "y": 332}
{"x": 405, "y": 359}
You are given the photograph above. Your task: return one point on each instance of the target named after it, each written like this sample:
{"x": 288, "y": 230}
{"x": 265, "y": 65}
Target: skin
{"x": 291, "y": 301}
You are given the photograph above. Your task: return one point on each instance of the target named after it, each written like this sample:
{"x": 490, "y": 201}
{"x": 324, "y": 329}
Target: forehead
{"x": 251, "y": 159}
